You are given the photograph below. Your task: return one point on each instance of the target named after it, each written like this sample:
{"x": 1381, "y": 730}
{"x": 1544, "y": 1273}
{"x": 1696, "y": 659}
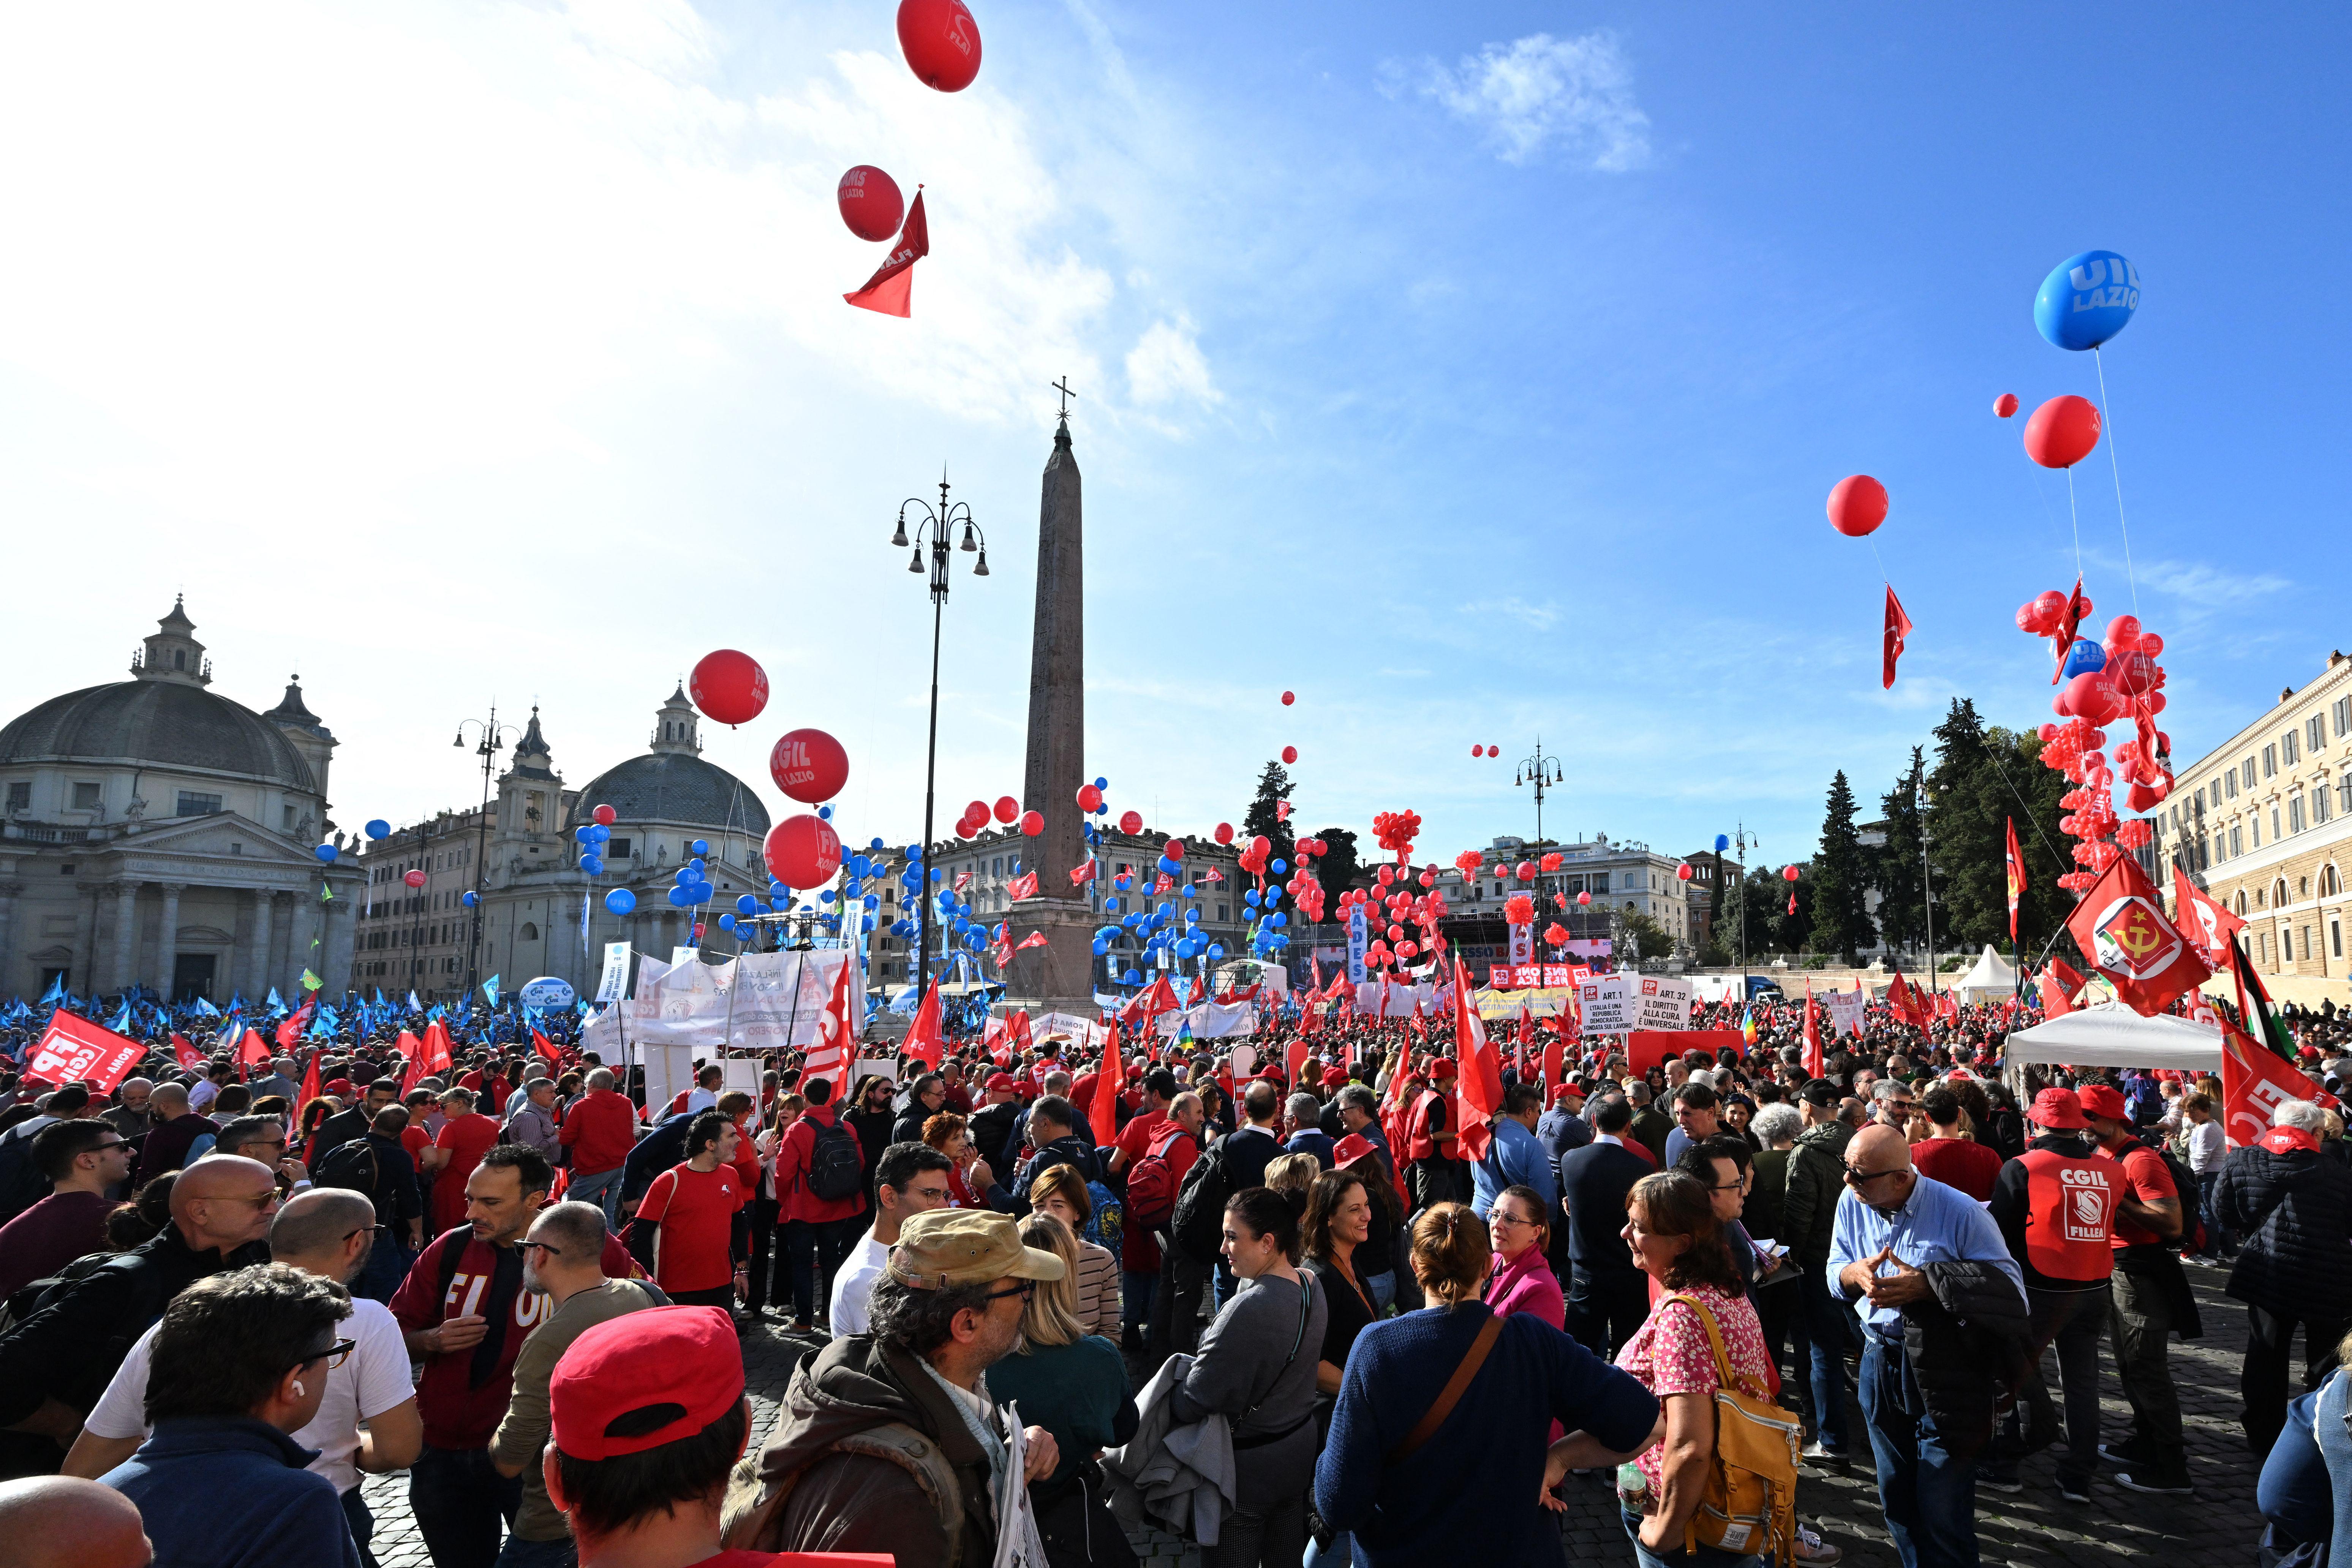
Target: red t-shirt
{"x": 2146, "y": 1180}
{"x": 459, "y": 1414}
{"x": 601, "y": 1129}
{"x": 1135, "y": 1136}
{"x": 1973, "y": 1168}
{"x": 696, "y": 1210}
{"x": 466, "y": 1138}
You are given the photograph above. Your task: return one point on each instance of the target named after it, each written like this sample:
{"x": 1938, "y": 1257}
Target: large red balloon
{"x": 941, "y": 43}
{"x": 728, "y": 687}
{"x": 605, "y": 815}
{"x": 1857, "y": 505}
{"x": 1224, "y": 833}
{"x": 2005, "y": 405}
{"x": 1289, "y": 754}
{"x": 804, "y": 851}
{"x": 1789, "y": 873}
{"x": 413, "y": 879}
{"x": 808, "y": 766}
{"x": 1007, "y": 808}
{"x": 1130, "y": 822}
{"x": 1033, "y": 823}
{"x": 2063, "y": 431}
{"x": 871, "y": 203}
{"x": 1090, "y": 798}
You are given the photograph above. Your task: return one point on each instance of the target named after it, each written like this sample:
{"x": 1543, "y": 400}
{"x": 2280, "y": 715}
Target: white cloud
{"x": 1166, "y": 363}
{"x": 1540, "y": 90}
{"x": 1539, "y": 617}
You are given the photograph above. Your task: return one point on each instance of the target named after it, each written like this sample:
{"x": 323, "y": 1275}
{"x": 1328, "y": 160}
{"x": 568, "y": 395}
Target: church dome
{"x": 155, "y": 723}
{"x": 677, "y": 787}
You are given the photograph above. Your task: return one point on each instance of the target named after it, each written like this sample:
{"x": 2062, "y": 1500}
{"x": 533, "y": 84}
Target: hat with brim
{"x": 966, "y": 1247}
{"x": 2060, "y": 1109}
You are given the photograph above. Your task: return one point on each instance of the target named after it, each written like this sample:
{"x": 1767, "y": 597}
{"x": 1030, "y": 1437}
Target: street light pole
{"x": 936, "y": 523}
{"x": 1542, "y": 771}
{"x": 493, "y": 742}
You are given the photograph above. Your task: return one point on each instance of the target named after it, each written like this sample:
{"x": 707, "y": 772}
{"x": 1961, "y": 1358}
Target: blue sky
{"x": 1474, "y": 373}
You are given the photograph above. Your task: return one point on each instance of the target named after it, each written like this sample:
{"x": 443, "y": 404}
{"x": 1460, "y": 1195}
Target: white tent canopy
{"x": 1991, "y": 977}
{"x": 2110, "y": 1035}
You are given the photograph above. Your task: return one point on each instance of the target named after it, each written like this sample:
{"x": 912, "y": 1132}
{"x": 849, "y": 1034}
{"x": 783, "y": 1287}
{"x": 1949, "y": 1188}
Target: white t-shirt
{"x": 853, "y": 1286}
{"x": 372, "y": 1380}
{"x": 2208, "y": 1146}
{"x": 702, "y": 1099}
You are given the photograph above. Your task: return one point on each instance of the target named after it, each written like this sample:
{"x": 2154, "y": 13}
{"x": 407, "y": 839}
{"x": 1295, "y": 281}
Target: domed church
{"x": 155, "y": 832}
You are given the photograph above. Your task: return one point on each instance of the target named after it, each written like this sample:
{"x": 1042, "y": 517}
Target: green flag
{"x": 312, "y": 982}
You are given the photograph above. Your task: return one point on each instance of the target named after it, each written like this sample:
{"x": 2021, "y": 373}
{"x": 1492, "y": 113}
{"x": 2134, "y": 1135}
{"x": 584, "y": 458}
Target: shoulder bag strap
{"x": 1451, "y": 1395}
{"x": 1306, "y": 1305}
{"x": 1725, "y": 1377}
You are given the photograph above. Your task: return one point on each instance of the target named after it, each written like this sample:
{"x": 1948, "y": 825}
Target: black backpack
{"x": 1200, "y": 1223}
{"x": 836, "y": 1167}
{"x": 2184, "y": 1187}
{"x": 352, "y": 1165}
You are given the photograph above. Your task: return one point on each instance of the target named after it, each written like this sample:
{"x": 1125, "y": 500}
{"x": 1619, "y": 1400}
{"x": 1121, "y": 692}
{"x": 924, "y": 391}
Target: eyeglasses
{"x": 1855, "y": 1178}
{"x": 267, "y": 1200}
{"x": 548, "y": 1248}
{"x": 1023, "y": 1289}
{"x": 334, "y": 1355}
{"x": 1499, "y": 1218}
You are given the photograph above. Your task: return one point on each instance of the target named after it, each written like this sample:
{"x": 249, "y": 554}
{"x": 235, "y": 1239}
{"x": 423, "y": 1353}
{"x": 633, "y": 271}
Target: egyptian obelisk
{"x": 1059, "y": 975}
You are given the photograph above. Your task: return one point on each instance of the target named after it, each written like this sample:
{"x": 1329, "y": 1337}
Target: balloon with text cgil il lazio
{"x": 1857, "y": 505}
{"x": 808, "y": 766}
{"x": 2005, "y": 405}
{"x": 803, "y": 851}
{"x": 728, "y": 687}
{"x": 1130, "y": 822}
{"x": 2063, "y": 431}
{"x": 2086, "y": 300}
{"x": 941, "y": 41}
{"x": 871, "y": 203}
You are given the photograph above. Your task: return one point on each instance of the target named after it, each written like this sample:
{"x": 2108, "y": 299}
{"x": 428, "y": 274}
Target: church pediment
{"x": 222, "y": 833}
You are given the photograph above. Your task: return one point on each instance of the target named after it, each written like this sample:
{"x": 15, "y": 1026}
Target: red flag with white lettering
{"x": 829, "y": 1057}
{"x": 72, "y": 1049}
{"x": 191, "y": 1059}
{"x": 2253, "y": 1081}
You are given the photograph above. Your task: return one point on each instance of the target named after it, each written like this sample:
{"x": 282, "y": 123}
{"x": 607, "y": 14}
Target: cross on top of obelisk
{"x": 1062, "y": 386}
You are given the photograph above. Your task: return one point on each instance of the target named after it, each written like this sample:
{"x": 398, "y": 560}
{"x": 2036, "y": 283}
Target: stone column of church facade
{"x": 122, "y": 958}
{"x": 8, "y": 891}
{"x": 83, "y": 964}
{"x": 257, "y": 972}
{"x": 336, "y": 948}
{"x": 167, "y": 940}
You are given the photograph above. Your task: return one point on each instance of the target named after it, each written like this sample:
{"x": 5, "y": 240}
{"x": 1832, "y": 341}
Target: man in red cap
{"x": 2147, "y": 1282}
{"x": 2056, "y": 1206}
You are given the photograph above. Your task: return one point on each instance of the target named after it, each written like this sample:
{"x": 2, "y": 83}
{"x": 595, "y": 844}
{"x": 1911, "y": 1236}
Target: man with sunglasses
{"x": 328, "y": 1233}
{"x": 81, "y": 1160}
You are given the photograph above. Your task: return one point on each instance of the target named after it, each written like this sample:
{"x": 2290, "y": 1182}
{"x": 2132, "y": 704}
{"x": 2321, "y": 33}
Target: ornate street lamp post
{"x": 937, "y": 523}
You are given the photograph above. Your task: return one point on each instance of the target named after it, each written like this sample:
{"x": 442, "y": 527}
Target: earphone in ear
{"x": 298, "y": 1389}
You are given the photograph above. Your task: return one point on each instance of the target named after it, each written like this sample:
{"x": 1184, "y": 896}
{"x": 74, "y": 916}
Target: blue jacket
{"x": 1516, "y": 1158}
{"x": 1469, "y": 1493}
{"x": 1311, "y": 1141}
{"x": 231, "y": 1492}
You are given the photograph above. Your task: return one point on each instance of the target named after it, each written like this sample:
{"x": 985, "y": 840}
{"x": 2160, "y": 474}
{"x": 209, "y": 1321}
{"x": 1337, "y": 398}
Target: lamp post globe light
{"x": 935, "y": 525}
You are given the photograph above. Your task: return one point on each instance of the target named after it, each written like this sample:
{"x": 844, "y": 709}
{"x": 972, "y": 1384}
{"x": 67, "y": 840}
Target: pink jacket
{"x": 1525, "y": 1284}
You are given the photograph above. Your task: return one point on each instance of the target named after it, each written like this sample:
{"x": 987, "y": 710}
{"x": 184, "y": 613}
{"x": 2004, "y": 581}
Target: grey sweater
{"x": 1241, "y": 1362}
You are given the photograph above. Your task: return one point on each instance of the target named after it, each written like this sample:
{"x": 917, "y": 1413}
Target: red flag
{"x": 309, "y": 1089}
{"x": 829, "y": 1057}
{"x": 888, "y": 292}
{"x": 72, "y": 1049}
{"x": 2120, "y": 927}
{"x": 2254, "y": 1080}
{"x": 2060, "y": 987}
{"x": 1104, "y": 1112}
{"x": 924, "y": 1041}
{"x": 2203, "y": 919}
{"x": 1479, "y": 1090}
{"x": 1816, "y": 1060}
{"x": 191, "y": 1059}
{"x": 2077, "y": 608}
{"x": 1021, "y": 1037}
{"x": 1148, "y": 1004}
{"x": 290, "y": 1029}
{"x": 545, "y": 1046}
{"x": 963, "y": 880}
{"x": 1295, "y": 1057}
{"x": 1898, "y": 627}
{"x": 1024, "y": 886}
{"x": 415, "y": 1055}
{"x": 2016, "y": 875}
{"x": 1034, "y": 939}
{"x": 1082, "y": 873}
{"x": 251, "y": 1050}
{"x": 1554, "y": 1046}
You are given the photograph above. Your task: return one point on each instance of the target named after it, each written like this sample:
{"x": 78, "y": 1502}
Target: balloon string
{"x": 1875, "y": 556}
{"x": 2107, "y": 425}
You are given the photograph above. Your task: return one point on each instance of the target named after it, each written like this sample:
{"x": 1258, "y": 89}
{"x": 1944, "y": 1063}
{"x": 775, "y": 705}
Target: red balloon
{"x": 728, "y": 687}
{"x": 1130, "y": 822}
{"x": 1033, "y": 823}
{"x": 1683, "y": 871}
{"x": 1857, "y": 506}
{"x": 976, "y": 812}
{"x": 1224, "y": 833}
{"x": 605, "y": 815}
{"x": 941, "y": 41}
{"x": 1492, "y": 750}
{"x": 808, "y": 766}
{"x": 1584, "y": 898}
{"x": 413, "y": 879}
{"x": 871, "y": 203}
{"x": 804, "y": 851}
{"x": 1789, "y": 873}
{"x": 1090, "y": 798}
{"x": 2092, "y": 695}
{"x": 2122, "y": 632}
{"x": 2063, "y": 431}
{"x": 1525, "y": 871}
{"x": 2005, "y": 405}
{"x": 1288, "y": 698}
{"x": 1289, "y": 754}
{"x": 1007, "y": 808}
{"x": 1478, "y": 750}
{"x": 1174, "y": 849}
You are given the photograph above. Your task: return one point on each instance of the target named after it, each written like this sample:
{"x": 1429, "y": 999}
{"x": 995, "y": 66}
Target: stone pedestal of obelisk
{"x": 1059, "y": 975}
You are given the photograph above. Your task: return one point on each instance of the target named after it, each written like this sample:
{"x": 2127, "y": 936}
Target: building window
{"x": 2307, "y": 944}
{"x": 20, "y": 794}
{"x": 2237, "y": 845}
{"x": 616, "y": 850}
{"x": 2287, "y": 749}
{"x": 2335, "y": 937}
{"x": 2343, "y": 717}
{"x": 288, "y": 812}
{"x": 2278, "y": 892}
{"x": 2270, "y": 761}
{"x": 530, "y": 931}
{"x": 2315, "y": 735}
{"x": 2230, "y": 778}
{"x": 195, "y": 804}
{"x": 84, "y": 796}
{"x": 2319, "y": 806}
{"x": 2344, "y": 792}
{"x": 2274, "y": 825}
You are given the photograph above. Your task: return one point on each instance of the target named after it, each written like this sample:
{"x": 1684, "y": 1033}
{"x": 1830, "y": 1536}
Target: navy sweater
{"x": 233, "y": 1493}
{"x": 1469, "y": 1493}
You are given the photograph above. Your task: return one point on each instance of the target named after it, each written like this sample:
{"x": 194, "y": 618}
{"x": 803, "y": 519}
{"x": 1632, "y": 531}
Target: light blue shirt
{"x": 1517, "y": 1158}
{"x": 1935, "y": 1224}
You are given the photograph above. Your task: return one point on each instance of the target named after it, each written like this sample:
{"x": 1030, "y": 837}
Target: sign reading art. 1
{"x": 1606, "y": 1001}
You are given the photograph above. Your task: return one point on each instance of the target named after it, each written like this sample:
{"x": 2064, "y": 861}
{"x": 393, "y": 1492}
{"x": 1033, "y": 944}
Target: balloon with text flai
{"x": 2005, "y": 405}
{"x": 871, "y": 203}
{"x": 1857, "y": 505}
{"x": 621, "y": 901}
{"x": 941, "y": 41}
{"x": 2086, "y": 300}
{"x": 803, "y": 851}
{"x": 808, "y": 766}
{"x": 2063, "y": 431}
{"x": 728, "y": 687}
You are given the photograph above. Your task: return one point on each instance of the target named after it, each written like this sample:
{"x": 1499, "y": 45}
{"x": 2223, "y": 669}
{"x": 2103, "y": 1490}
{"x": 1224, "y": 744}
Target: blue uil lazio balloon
{"x": 2084, "y": 657}
{"x": 2086, "y": 299}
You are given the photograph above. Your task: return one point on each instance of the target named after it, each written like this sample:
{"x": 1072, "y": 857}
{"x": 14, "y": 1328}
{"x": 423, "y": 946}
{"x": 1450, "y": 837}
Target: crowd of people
{"x": 1306, "y": 1312}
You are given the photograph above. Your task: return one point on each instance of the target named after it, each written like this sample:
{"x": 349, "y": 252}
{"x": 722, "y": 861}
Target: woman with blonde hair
{"x": 1293, "y": 1173}
{"x": 1073, "y": 1384}
{"x": 1061, "y": 1191}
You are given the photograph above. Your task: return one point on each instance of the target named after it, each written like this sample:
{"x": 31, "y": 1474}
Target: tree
{"x": 1337, "y": 867}
{"x": 1983, "y": 779}
{"x": 1793, "y": 915}
{"x": 1894, "y": 865}
{"x": 1273, "y": 785}
{"x": 1649, "y": 938}
{"x": 1756, "y": 907}
{"x": 1840, "y": 918}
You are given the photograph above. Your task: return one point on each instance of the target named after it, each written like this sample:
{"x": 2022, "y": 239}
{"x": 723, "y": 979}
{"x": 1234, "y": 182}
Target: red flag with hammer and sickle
{"x": 2120, "y": 927}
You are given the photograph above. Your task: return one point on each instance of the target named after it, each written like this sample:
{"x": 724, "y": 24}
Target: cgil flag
{"x": 1898, "y": 627}
{"x": 889, "y": 293}
{"x": 2120, "y": 927}
{"x": 2016, "y": 876}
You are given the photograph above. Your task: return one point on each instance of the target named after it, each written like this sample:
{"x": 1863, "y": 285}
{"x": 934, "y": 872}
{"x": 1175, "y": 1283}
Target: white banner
{"x": 616, "y": 971}
{"x": 1660, "y": 1001}
{"x": 1357, "y": 942}
{"x": 777, "y": 999}
{"x": 1212, "y": 1020}
{"x": 1844, "y": 1010}
{"x": 1523, "y": 944}
{"x": 1606, "y": 1003}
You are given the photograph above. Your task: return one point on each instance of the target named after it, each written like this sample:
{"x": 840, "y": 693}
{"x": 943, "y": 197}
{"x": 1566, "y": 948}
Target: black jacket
{"x": 2295, "y": 1209}
{"x": 1593, "y": 1182}
{"x": 1964, "y": 1344}
{"x": 656, "y": 1151}
{"x": 991, "y": 1127}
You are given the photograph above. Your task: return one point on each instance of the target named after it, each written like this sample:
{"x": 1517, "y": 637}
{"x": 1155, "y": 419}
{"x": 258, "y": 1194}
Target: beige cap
{"x": 966, "y": 1247}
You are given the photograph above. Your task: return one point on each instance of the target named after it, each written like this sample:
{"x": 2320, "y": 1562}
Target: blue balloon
{"x": 1216, "y": 950}
{"x": 470, "y": 899}
{"x": 378, "y": 827}
{"x": 1278, "y": 920}
{"x": 1192, "y": 916}
{"x": 876, "y": 846}
{"x": 780, "y": 905}
{"x": 678, "y": 898}
{"x": 620, "y": 900}
{"x": 1278, "y": 868}
{"x": 1101, "y": 947}
{"x": 1250, "y": 898}
{"x": 1134, "y": 977}
{"x": 1102, "y": 783}
{"x": 747, "y": 905}
{"x": 701, "y": 846}
{"x": 599, "y": 833}
{"x": 326, "y": 854}
{"x": 939, "y": 876}
{"x": 581, "y": 834}
{"x": 726, "y": 922}
{"x": 696, "y": 864}
{"x": 2086, "y": 299}
{"x": 871, "y": 902}
{"x": 592, "y": 865}
{"x": 1722, "y": 842}
{"x": 824, "y": 813}
{"x": 2084, "y": 657}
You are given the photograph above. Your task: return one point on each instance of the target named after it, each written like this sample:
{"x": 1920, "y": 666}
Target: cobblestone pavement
{"x": 2033, "y": 1528}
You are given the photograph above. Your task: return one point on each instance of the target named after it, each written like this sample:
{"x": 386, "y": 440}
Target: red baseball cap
{"x": 1349, "y": 1149}
{"x": 684, "y": 1356}
{"x": 2057, "y": 1108}
{"x": 999, "y": 1082}
{"x": 2104, "y": 1100}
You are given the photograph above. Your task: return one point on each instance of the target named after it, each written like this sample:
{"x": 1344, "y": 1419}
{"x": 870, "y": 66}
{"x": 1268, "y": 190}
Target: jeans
{"x": 603, "y": 1189}
{"x": 1604, "y": 1308}
{"x": 1824, "y": 1326}
{"x": 1929, "y": 1496}
{"x": 1272, "y": 1537}
{"x": 2335, "y": 1446}
{"x": 816, "y": 1249}
{"x": 386, "y": 1265}
{"x": 2141, "y": 1322}
{"x": 520, "y": 1554}
{"x": 461, "y": 1503}
{"x": 1135, "y": 1288}
{"x": 2072, "y": 1321}
{"x": 763, "y": 1248}
{"x": 2261, "y": 1380}
{"x": 1679, "y": 1556}
{"x": 1383, "y": 1288}
{"x": 362, "y": 1523}
{"x": 2218, "y": 1237}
